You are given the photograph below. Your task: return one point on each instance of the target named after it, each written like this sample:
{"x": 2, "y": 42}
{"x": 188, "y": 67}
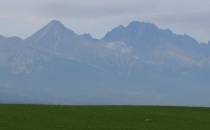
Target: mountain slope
{"x": 158, "y": 46}
{"x": 58, "y": 40}
{"x": 136, "y": 64}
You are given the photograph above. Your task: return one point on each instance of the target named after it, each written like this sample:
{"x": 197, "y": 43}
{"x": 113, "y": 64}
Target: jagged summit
{"x": 52, "y": 30}
{"x": 55, "y": 24}
{"x": 137, "y": 24}
{"x": 133, "y": 31}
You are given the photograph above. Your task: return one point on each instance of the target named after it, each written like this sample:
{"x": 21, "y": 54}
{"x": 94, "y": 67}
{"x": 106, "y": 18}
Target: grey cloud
{"x": 87, "y": 11}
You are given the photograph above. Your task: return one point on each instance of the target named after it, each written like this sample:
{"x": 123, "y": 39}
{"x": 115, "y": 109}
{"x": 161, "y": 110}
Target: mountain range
{"x": 135, "y": 64}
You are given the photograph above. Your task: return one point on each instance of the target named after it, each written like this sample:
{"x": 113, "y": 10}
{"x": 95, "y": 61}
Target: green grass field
{"x": 37, "y": 117}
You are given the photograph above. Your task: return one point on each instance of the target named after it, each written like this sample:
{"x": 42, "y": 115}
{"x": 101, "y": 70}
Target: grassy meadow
{"x": 44, "y": 117}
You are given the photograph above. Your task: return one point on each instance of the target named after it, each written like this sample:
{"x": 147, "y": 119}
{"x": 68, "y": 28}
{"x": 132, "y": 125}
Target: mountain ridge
{"x": 55, "y": 21}
{"x": 134, "y": 64}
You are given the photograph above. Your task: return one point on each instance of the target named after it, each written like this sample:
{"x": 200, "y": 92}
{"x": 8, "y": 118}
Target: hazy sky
{"x": 23, "y": 17}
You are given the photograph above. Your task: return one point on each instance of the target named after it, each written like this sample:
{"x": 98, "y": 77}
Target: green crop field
{"x": 38, "y": 117}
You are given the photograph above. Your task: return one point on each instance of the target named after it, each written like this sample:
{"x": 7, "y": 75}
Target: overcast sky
{"x": 23, "y": 17}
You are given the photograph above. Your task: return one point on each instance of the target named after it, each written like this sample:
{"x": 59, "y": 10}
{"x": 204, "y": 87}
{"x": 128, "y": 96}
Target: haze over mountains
{"x": 136, "y": 64}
